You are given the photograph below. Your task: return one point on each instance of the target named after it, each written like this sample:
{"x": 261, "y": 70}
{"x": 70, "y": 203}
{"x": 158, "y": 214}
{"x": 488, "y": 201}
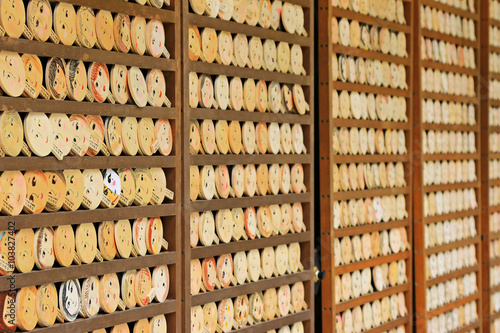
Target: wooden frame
{"x": 170, "y": 212}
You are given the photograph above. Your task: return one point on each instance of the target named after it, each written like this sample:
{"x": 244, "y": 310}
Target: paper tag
{"x": 166, "y": 53}
{"x": 27, "y": 33}
{"x": 68, "y": 203}
{"x": 29, "y": 89}
{"x": 121, "y": 305}
{"x": 222, "y": 7}
{"x": 76, "y": 148}
{"x": 26, "y": 150}
{"x": 53, "y": 37}
{"x": 218, "y": 59}
{"x": 303, "y": 226}
{"x": 234, "y": 61}
{"x": 104, "y": 150}
{"x": 264, "y": 316}
{"x": 2, "y": 32}
{"x": 134, "y": 252}
{"x": 169, "y": 194}
{"x": 257, "y": 233}
{"x": 138, "y": 198}
{"x": 250, "y": 320}
{"x": 167, "y": 102}
{"x": 164, "y": 244}
{"x": 93, "y": 145}
{"x": 110, "y": 98}
{"x": 29, "y": 205}
{"x": 151, "y": 100}
{"x": 155, "y": 146}
{"x": 216, "y": 239}
{"x": 235, "y": 324}
{"x": 98, "y": 255}
{"x": 155, "y": 198}
{"x": 262, "y": 274}
{"x": 303, "y": 71}
{"x": 77, "y": 258}
{"x": 107, "y": 202}
{"x": 44, "y": 93}
{"x": 215, "y": 104}
{"x": 6, "y": 266}
{"x": 205, "y": 330}
{"x": 89, "y": 96}
{"x": 301, "y": 267}
{"x": 123, "y": 200}
{"x": 86, "y": 202}
{"x": 233, "y": 281}
{"x": 60, "y": 316}
{"x": 151, "y": 295}
{"x": 51, "y": 199}
{"x": 58, "y": 153}
{"x": 217, "y": 283}
{"x": 203, "y": 288}
{"x": 275, "y": 272}
{"x": 2, "y": 153}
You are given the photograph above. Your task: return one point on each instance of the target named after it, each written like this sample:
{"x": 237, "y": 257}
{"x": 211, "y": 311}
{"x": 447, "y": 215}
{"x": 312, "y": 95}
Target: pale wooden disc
{"x": 65, "y": 23}
{"x": 106, "y": 239}
{"x": 119, "y": 83}
{"x": 55, "y": 78}
{"x": 194, "y": 43}
{"x": 163, "y": 133}
{"x": 12, "y": 17}
{"x": 24, "y": 255}
{"x": 86, "y": 27}
{"x": 146, "y": 136}
{"x": 14, "y": 192}
{"x": 121, "y": 31}
{"x": 86, "y": 242}
{"x": 36, "y": 191}
{"x": 93, "y": 188}
{"x": 129, "y": 136}
{"x": 161, "y": 282}
{"x": 158, "y": 324}
{"x": 96, "y": 127}
{"x": 156, "y": 86}
{"x": 12, "y": 80}
{"x": 74, "y": 189}
{"x": 33, "y": 71}
{"x": 98, "y": 81}
{"x": 209, "y": 44}
{"x": 104, "y": 30}
{"x": 142, "y": 286}
{"x": 63, "y": 132}
{"x": 138, "y": 35}
{"x": 90, "y": 297}
{"x": 43, "y": 247}
{"x": 76, "y": 80}
{"x": 137, "y": 86}
{"x": 39, "y": 17}
{"x": 26, "y": 308}
{"x": 160, "y": 185}
{"x": 64, "y": 245}
{"x": 143, "y": 186}
{"x": 155, "y": 38}
{"x": 11, "y": 133}
{"x": 154, "y": 235}
{"x": 70, "y": 299}
{"x": 113, "y": 135}
{"x": 39, "y": 133}
{"x": 109, "y": 292}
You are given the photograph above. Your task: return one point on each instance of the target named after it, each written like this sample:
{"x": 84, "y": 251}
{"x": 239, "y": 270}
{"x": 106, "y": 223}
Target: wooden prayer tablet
{"x": 127, "y": 193}
{"x": 198, "y": 6}
{"x": 253, "y": 12}
{"x": 194, "y": 223}
{"x": 86, "y": 242}
{"x": 6, "y": 263}
{"x": 196, "y": 282}
{"x": 143, "y": 186}
{"x": 138, "y": 35}
{"x": 46, "y": 305}
{"x": 194, "y": 182}
{"x": 239, "y": 10}
{"x": 161, "y": 282}
{"x": 142, "y": 326}
{"x": 261, "y": 96}
{"x": 221, "y": 91}
{"x": 33, "y": 71}
{"x": 240, "y": 44}
{"x": 142, "y": 286}
{"x": 270, "y": 302}
{"x": 39, "y": 17}
{"x": 210, "y": 316}
{"x": 123, "y": 238}
{"x": 206, "y": 228}
{"x": 39, "y": 134}
{"x": 70, "y": 299}
{"x": 128, "y": 288}
{"x": 93, "y": 184}
{"x": 155, "y": 38}
{"x": 197, "y": 319}
{"x": 265, "y": 14}
{"x": 65, "y": 23}
{"x": 139, "y": 235}
{"x": 226, "y": 314}
{"x": 104, "y": 30}
{"x": 119, "y": 84}
{"x": 14, "y": 192}
{"x": 121, "y": 30}
{"x": 159, "y": 186}
{"x": 137, "y": 86}
{"x": 111, "y": 188}
{"x": 297, "y": 296}
{"x": 74, "y": 189}
{"x": 208, "y": 136}
{"x": 109, "y": 292}
{"x": 76, "y": 79}
{"x": 206, "y": 91}
{"x": 194, "y": 43}
{"x": 122, "y": 328}
{"x": 154, "y": 235}
{"x": 163, "y": 133}
{"x": 158, "y": 324}
{"x": 13, "y": 77}
{"x": 26, "y": 308}
{"x": 256, "y": 52}
{"x": 11, "y": 133}
{"x": 106, "y": 239}
{"x": 284, "y": 300}
{"x": 194, "y": 93}
{"x": 86, "y": 35}
{"x": 96, "y": 127}
{"x": 12, "y": 17}
{"x": 299, "y": 99}
{"x": 212, "y": 8}
{"x": 146, "y": 136}
{"x": 113, "y": 135}
{"x": 98, "y": 81}
{"x": 36, "y": 191}
{"x": 226, "y": 8}
{"x": 63, "y": 134}
{"x": 156, "y": 87}
{"x": 225, "y": 42}
{"x": 209, "y": 43}
{"x": 64, "y": 245}
{"x": 8, "y": 319}
{"x": 256, "y": 306}
{"x": 90, "y": 297}
{"x": 81, "y": 135}
{"x": 24, "y": 256}
{"x": 241, "y": 310}
{"x": 55, "y": 78}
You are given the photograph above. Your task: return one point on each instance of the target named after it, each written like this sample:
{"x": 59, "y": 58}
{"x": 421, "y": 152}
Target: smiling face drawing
{"x": 127, "y": 191}
{"x": 25, "y": 259}
{"x": 12, "y": 17}
{"x": 138, "y": 35}
{"x": 64, "y": 245}
{"x": 123, "y": 238}
{"x": 11, "y": 133}
{"x": 76, "y": 79}
{"x": 90, "y": 296}
{"x": 85, "y": 27}
{"x": 26, "y": 308}
{"x": 163, "y": 132}
{"x": 96, "y": 127}
{"x": 121, "y": 29}
{"x": 137, "y": 86}
{"x": 158, "y": 324}
{"x": 156, "y": 86}
{"x": 195, "y": 276}
{"x": 119, "y": 85}
{"x": 86, "y": 242}
{"x": 62, "y": 129}
{"x": 39, "y": 134}
{"x": 55, "y": 78}
{"x": 7, "y": 267}
{"x": 142, "y": 286}
{"x": 139, "y": 235}
{"x": 146, "y": 133}
{"x": 14, "y": 190}
{"x": 65, "y": 23}
{"x": 81, "y": 132}
{"x": 143, "y": 185}
{"x": 98, "y": 81}
{"x": 36, "y": 190}
{"x": 109, "y": 292}
{"x": 12, "y": 74}
{"x": 44, "y": 248}
{"x": 155, "y": 38}
{"x": 154, "y": 235}
{"x": 127, "y": 288}
{"x": 39, "y": 14}
{"x": 161, "y": 282}
{"x": 106, "y": 239}
{"x": 194, "y": 42}
{"x": 104, "y": 30}
{"x": 70, "y": 299}
{"x": 33, "y": 71}
{"x": 93, "y": 184}
{"x": 113, "y": 136}
{"x": 74, "y": 189}
{"x": 160, "y": 185}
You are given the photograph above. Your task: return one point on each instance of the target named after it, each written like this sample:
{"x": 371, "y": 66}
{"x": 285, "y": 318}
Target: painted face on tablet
{"x": 65, "y": 22}
{"x": 45, "y": 247}
{"x": 12, "y": 16}
{"x": 71, "y": 297}
{"x": 40, "y": 15}
{"x": 36, "y": 187}
{"x": 61, "y": 128}
{"x": 163, "y": 132}
{"x": 33, "y": 71}
{"x": 138, "y": 34}
{"x": 55, "y": 78}
{"x": 90, "y": 290}
{"x": 11, "y": 132}
{"x": 93, "y": 184}
{"x": 122, "y": 31}
{"x": 80, "y": 129}
{"x": 27, "y": 307}
{"x": 98, "y": 80}
{"x": 158, "y": 324}
{"x": 119, "y": 83}
{"x": 157, "y": 39}
{"x": 86, "y": 23}
{"x": 142, "y": 182}
{"x": 127, "y": 183}
{"x": 76, "y": 75}
{"x": 12, "y": 75}
{"x": 194, "y": 40}
{"x": 138, "y": 84}
{"x": 207, "y": 90}
{"x": 24, "y": 240}
{"x": 112, "y": 181}
{"x": 147, "y": 132}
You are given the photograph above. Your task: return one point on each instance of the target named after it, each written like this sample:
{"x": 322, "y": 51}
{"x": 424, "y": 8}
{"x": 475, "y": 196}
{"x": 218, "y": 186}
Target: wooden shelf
{"x": 452, "y": 305}
{"x": 339, "y": 85}
{"x": 448, "y": 38}
{"x": 350, "y": 304}
{"x": 367, "y": 54}
{"x": 450, "y": 157}
{"x": 338, "y": 122}
{"x": 449, "y": 68}
{"x": 390, "y": 325}
{"x": 449, "y": 127}
{"x": 373, "y": 21}
{"x": 277, "y": 323}
{"x": 454, "y": 245}
{"x": 362, "y": 229}
{"x": 450, "y": 216}
{"x": 452, "y": 275}
{"x": 338, "y": 159}
{"x": 450, "y": 9}
{"x": 231, "y": 159}
{"x": 369, "y": 193}
{"x": 339, "y": 270}
{"x": 249, "y": 116}
{"x": 450, "y": 98}
{"x": 455, "y": 186}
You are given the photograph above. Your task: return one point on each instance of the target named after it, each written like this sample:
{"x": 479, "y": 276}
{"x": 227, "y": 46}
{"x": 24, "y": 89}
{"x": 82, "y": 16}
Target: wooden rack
{"x": 170, "y": 212}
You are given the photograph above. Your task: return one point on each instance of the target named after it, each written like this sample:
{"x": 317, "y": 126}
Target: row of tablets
{"x": 494, "y": 116}
{"x": 445, "y": 82}
{"x": 446, "y": 262}
{"x": 447, "y": 232}
{"x": 81, "y": 135}
{"x": 36, "y": 191}
{"x": 494, "y": 222}
{"x": 24, "y": 76}
{"x": 83, "y": 27}
{"x": 449, "y": 172}
{"x": 448, "y": 113}
{"x": 450, "y": 291}
{"x": 390, "y": 10}
{"x": 455, "y": 319}
{"x": 81, "y": 246}
{"x": 447, "y": 53}
{"x": 354, "y": 141}
{"x": 449, "y": 201}
{"x": 250, "y": 223}
{"x": 447, "y": 23}
{"x": 448, "y": 142}
{"x": 354, "y": 177}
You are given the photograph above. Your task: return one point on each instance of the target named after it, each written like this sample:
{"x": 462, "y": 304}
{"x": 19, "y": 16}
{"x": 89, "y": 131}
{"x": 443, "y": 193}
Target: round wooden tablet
{"x": 96, "y": 127}
{"x": 123, "y": 238}
{"x": 13, "y": 187}
{"x": 222, "y": 182}
{"x": 26, "y": 308}
{"x": 156, "y": 87}
{"x": 6, "y": 263}
{"x": 256, "y": 306}
{"x": 222, "y": 136}
{"x": 11, "y": 133}
{"x": 76, "y": 79}
{"x": 207, "y": 182}
{"x": 122, "y": 328}
{"x": 39, "y": 16}
{"x": 46, "y": 305}
{"x": 55, "y": 78}
{"x": 160, "y": 186}
{"x": 64, "y": 245}
{"x": 198, "y": 6}
{"x": 284, "y": 57}
{"x": 155, "y": 38}
{"x": 74, "y": 189}
{"x": 24, "y": 250}
{"x": 113, "y": 135}
{"x": 109, "y": 292}
{"x": 225, "y": 269}
{"x": 63, "y": 133}
{"x": 299, "y": 99}
{"x": 235, "y": 137}
{"x": 138, "y": 35}
{"x": 90, "y": 297}
{"x": 146, "y": 136}
{"x": 142, "y": 325}
{"x": 119, "y": 83}
{"x": 261, "y": 96}
{"x": 127, "y": 192}
{"x": 194, "y": 93}
{"x": 143, "y": 186}
{"x": 121, "y": 31}
{"x": 253, "y": 12}
{"x": 70, "y": 301}
{"x": 225, "y": 45}
{"x": 33, "y": 71}
{"x": 13, "y": 77}
{"x": 210, "y": 316}
{"x": 154, "y": 235}
{"x": 297, "y": 296}
{"x": 137, "y": 86}
{"x": 194, "y": 43}
{"x": 142, "y": 286}
{"x": 209, "y": 273}
{"x": 12, "y": 17}
{"x": 194, "y": 137}
{"x": 93, "y": 184}
{"x": 98, "y": 81}
{"x": 8, "y": 320}
{"x": 194, "y": 225}
{"x": 226, "y": 314}
{"x": 139, "y": 235}
{"x": 195, "y": 276}
{"x": 158, "y": 324}
{"x": 221, "y": 91}
{"x": 111, "y": 188}
{"x": 39, "y": 133}
{"x": 86, "y": 242}
{"x": 196, "y": 319}
{"x": 128, "y": 288}
{"x": 65, "y": 23}
{"x": 106, "y": 239}
{"x": 194, "y": 182}
{"x": 208, "y": 136}
{"x": 86, "y": 27}
{"x": 206, "y": 91}
{"x": 104, "y": 30}
{"x": 81, "y": 134}
{"x": 209, "y": 44}
{"x": 161, "y": 282}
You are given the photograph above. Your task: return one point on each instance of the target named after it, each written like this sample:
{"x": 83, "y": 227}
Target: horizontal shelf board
{"x": 339, "y": 85}
{"x": 258, "y": 74}
{"x": 85, "y": 162}
{"x": 450, "y": 9}
{"x": 85, "y": 216}
{"x": 359, "y": 230}
{"x": 494, "y": 156}
{"x": 217, "y": 204}
{"x": 451, "y": 157}
{"x": 129, "y": 8}
{"x": 369, "y": 158}
{"x": 494, "y": 235}
{"x": 231, "y": 159}
{"x": 455, "y": 186}
{"x": 370, "y": 124}
{"x": 265, "y": 117}
{"x": 450, "y": 68}
{"x": 494, "y": 316}
{"x": 339, "y": 270}
{"x": 109, "y": 320}
{"x": 469, "y": 328}
{"x": 494, "y": 102}
{"x": 343, "y": 306}
{"x": 494, "y": 48}
{"x": 494, "y": 289}
{"x": 36, "y": 278}
{"x": 449, "y": 97}
{"x": 247, "y": 30}
{"x": 357, "y": 52}
{"x": 452, "y": 305}
{"x": 494, "y": 22}
{"x": 448, "y": 38}
{"x": 390, "y": 325}
{"x": 450, "y": 216}
{"x": 249, "y": 288}
{"x": 374, "y": 21}
{"x": 448, "y": 127}
{"x": 452, "y": 275}
{"x": 370, "y": 193}
{"x": 277, "y": 323}
{"x": 494, "y": 209}
{"x": 494, "y": 129}
{"x": 494, "y": 262}
{"x": 495, "y": 76}
{"x": 454, "y": 245}
{"x": 86, "y": 108}
{"x": 46, "y": 49}
{"x": 246, "y": 245}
